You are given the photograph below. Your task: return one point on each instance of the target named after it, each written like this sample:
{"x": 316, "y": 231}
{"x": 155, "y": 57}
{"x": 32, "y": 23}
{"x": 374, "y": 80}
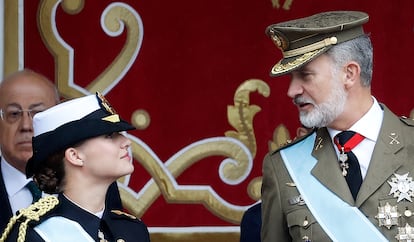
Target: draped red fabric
{"x": 194, "y": 55}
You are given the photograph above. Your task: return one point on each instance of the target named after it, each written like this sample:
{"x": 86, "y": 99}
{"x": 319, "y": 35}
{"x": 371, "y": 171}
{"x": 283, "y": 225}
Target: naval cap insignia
{"x": 402, "y": 187}
{"x": 105, "y": 104}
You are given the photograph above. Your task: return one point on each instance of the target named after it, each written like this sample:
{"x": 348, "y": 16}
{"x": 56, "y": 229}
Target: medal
{"x": 402, "y": 187}
{"x": 101, "y": 236}
{"x": 388, "y": 215}
{"x": 405, "y": 233}
{"x": 342, "y": 162}
{"x": 352, "y": 142}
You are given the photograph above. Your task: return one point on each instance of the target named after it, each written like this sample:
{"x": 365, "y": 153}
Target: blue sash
{"x": 339, "y": 220}
{"x": 63, "y": 230}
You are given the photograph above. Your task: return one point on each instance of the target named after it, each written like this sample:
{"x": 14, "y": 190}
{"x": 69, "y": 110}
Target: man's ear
{"x": 352, "y": 74}
{"x": 73, "y": 156}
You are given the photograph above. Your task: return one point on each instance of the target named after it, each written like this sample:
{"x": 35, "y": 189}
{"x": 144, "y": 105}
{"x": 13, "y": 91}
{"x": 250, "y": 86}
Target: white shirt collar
{"x": 14, "y": 180}
{"x": 372, "y": 119}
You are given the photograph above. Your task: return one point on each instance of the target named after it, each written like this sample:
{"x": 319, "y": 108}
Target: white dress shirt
{"x": 15, "y": 182}
{"x": 368, "y": 126}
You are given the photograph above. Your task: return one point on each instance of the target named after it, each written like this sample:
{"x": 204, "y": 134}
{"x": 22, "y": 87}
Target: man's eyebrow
{"x": 17, "y": 105}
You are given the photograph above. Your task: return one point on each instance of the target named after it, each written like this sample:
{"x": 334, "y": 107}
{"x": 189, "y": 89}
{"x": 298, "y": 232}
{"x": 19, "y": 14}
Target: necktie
{"x": 346, "y": 141}
{"x": 34, "y": 189}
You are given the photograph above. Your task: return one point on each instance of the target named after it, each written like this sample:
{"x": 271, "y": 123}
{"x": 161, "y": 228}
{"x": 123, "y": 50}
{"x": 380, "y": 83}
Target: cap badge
{"x": 279, "y": 40}
{"x": 388, "y": 215}
{"x": 114, "y": 118}
{"x": 402, "y": 187}
{"x": 104, "y": 103}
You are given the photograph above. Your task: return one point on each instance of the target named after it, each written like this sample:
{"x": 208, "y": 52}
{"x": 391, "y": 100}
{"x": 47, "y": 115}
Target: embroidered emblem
{"x": 319, "y": 143}
{"x": 394, "y": 140}
{"x": 405, "y": 233}
{"x": 296, "y": 200}
{"x": 105, "y": 104}
{"x": 388, "y": 215}
{"x": 118, "y": 212}
{"x": 402, "y": 187}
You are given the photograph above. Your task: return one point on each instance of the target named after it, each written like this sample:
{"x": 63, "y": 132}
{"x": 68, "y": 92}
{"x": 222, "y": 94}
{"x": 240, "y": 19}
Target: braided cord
{"x": 33, "y": 212}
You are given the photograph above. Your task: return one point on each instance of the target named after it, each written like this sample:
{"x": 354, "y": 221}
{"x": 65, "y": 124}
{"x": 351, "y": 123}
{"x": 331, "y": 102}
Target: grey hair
{"x": 358, "y": 50}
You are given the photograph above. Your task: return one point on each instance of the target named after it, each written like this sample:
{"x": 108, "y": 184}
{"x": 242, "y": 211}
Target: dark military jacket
{"x": 114, "y": 224}
{"x": 285, "y": 218}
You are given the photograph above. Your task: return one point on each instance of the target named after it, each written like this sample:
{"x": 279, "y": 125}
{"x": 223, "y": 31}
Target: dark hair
{"x": 50, "y": 176}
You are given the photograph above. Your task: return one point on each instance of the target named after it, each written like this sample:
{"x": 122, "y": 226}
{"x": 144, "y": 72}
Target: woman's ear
{"x": 352, "y": 74}
{"x": 73, "y": 156}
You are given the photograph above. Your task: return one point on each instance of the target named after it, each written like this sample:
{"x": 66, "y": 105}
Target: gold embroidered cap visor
{"x": 69, "y": 123}
{"x": 302, "y": 40}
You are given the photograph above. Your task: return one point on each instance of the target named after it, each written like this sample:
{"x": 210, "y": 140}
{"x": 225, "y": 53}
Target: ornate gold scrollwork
{"x": 238, "y": 146}
{"x": 115, "y": 17}
{"x": 286, "y": 4}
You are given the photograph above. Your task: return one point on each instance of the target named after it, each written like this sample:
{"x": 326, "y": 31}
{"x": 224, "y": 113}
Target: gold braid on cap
{"x": 33, "y": 212}
{"x": 311, "y": 47}
{"x": 281, "y": 68}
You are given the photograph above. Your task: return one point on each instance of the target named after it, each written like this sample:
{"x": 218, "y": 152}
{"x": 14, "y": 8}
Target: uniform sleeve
{"x": 273, "y": 223}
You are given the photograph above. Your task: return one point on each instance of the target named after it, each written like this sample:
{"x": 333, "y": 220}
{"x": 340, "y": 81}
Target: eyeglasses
{"x": 14, "y": 115}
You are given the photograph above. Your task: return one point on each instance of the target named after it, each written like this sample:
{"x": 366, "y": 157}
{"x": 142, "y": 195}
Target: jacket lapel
{"x": 386, "y": 158}
{"x": 5, "y": 211}
{"x": 327, "y": 169}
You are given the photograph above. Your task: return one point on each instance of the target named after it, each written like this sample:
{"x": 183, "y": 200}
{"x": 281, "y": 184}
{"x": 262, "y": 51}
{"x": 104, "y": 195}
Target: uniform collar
{"x": 372, "y": 119}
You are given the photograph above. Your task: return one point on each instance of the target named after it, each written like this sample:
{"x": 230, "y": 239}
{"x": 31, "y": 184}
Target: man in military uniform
{"x": 351, "y": 178}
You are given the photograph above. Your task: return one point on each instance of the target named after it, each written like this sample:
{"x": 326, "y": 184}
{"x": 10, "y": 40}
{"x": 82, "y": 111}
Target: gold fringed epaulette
{"x": 32, "y": 213}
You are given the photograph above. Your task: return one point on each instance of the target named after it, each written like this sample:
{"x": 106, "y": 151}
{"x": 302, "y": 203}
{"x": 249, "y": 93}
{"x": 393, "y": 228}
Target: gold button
{"x": 120, "y": 240}
{"x": 305, "y": 222}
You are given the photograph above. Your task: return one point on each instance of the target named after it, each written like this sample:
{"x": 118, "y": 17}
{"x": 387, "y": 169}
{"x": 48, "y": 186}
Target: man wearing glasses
{"x": 22, "y": 95}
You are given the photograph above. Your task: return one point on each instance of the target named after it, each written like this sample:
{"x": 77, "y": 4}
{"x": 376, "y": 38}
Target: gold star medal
{"x": 402, "y": 187}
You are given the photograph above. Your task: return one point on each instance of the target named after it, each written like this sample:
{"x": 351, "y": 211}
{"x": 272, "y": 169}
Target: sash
{"x": 63, "y": 230}
{"x": 339, "y": 220}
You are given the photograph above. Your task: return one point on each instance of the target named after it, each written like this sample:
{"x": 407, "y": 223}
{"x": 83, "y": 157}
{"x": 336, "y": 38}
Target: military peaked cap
{"x": 301, "y": 40}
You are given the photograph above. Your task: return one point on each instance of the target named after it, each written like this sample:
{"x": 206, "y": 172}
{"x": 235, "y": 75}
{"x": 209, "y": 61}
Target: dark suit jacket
{"x": 393, "y": 154}
{"x": 251, "y": 224}
{"x": 5, "y": 211}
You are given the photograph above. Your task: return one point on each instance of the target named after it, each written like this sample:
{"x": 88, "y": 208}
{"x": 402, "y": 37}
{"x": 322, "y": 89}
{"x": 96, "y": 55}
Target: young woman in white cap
{"x": 78, "y": 152}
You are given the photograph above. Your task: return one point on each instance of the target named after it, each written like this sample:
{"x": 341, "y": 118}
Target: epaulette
{"x": 124, "y": 214}
{"x": 295, "y": 141}
{"x": 407, "y": 121}
{"x": 32, "y": 213}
